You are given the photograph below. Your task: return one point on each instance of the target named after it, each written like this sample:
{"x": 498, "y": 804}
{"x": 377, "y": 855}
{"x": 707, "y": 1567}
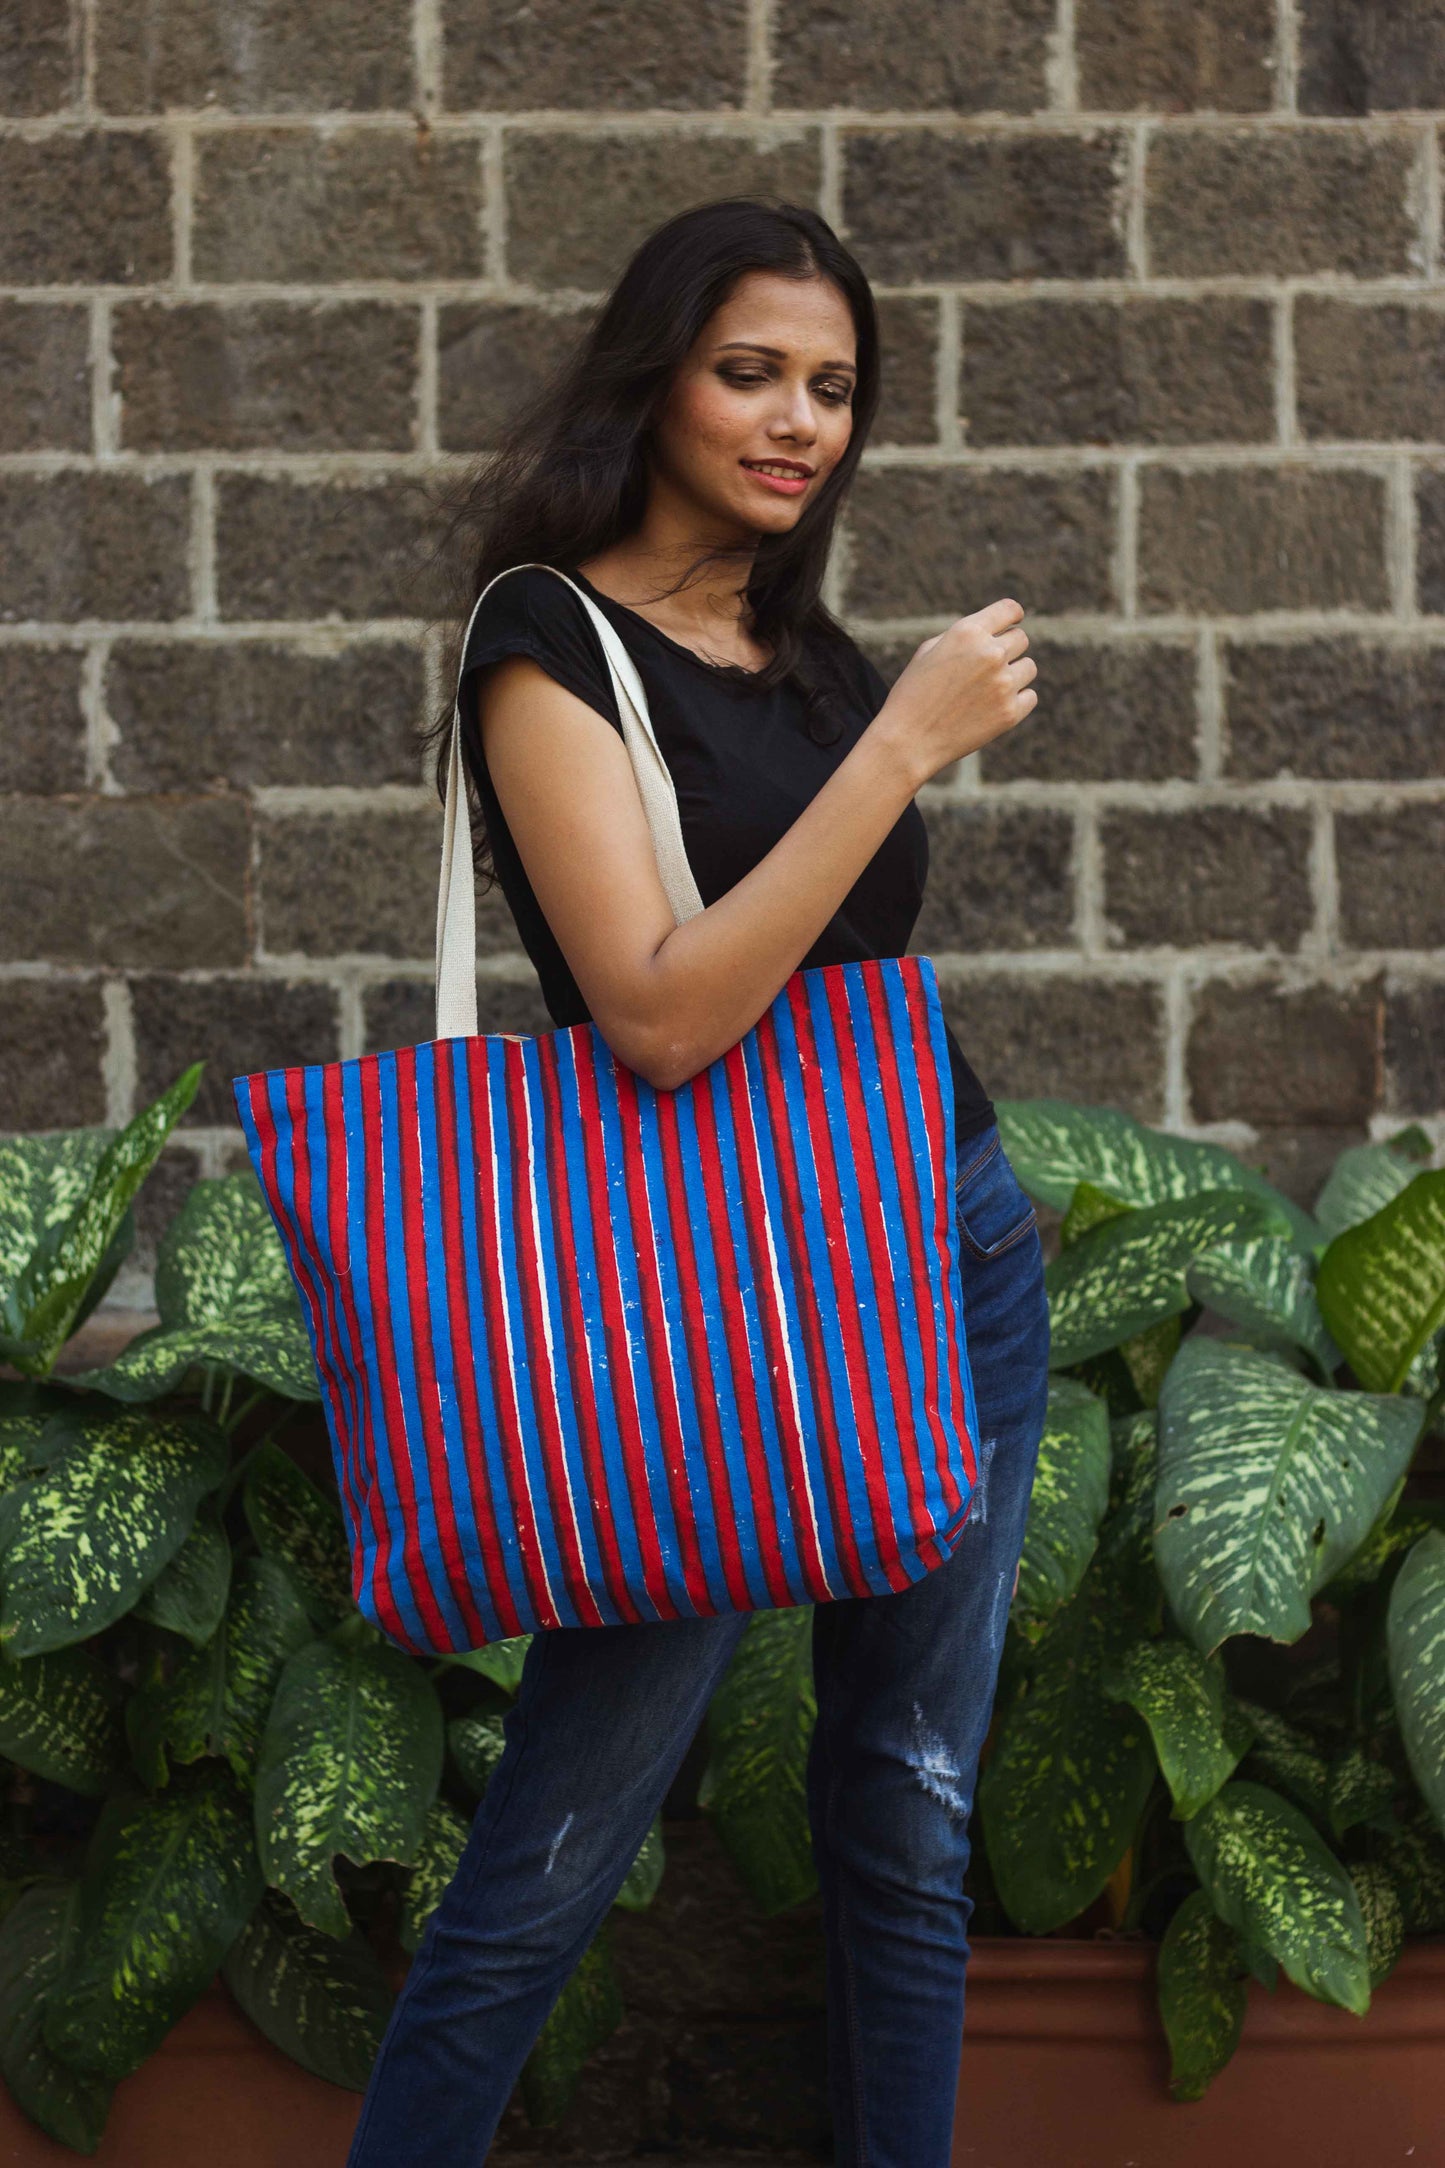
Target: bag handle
{"x": 456, "y": 954}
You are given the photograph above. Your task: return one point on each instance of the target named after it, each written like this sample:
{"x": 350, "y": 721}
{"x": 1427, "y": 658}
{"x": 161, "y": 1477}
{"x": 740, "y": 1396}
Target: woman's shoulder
{"x": 528, "y": 610}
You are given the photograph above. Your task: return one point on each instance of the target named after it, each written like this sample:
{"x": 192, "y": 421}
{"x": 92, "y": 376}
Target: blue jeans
{"x": 604, "y": 1715}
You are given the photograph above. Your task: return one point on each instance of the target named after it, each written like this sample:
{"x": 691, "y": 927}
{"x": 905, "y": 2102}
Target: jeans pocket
{"x": 990, "y": 1205}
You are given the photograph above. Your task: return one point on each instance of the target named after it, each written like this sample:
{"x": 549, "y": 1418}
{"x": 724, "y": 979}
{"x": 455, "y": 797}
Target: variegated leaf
{"x": 1415, "y": 1857}
{"x": 1267, "y": 1484}
{"x": 759, "y": 1728}
{"x": 1198, "y": 1732}
{"x": 81, "y": 1539}
{"x": 267, "y": 1622}
{"x": 1384, "y": 1918}
{"x": 60, "y": 1717}
{"x": 300, "y": 1527}
{"x": 1054, "y": 1146}
{"x": 1130, "y": 1273}
{"x": 175, "y": 1716}
{"x": 1203, "y": 1995}
{"x": 644, "y": 1876}
{"x": 188, "y": 1597}
{"x": 225, "y": 1295}
{"x": 1126, "y": 1541}
{"x": 322, "y": 2002}
{"x": 34, "y": 1942}
{"x": 1288, "y": 1757}
{"x": 349, "y": 1764}
{"x": 1359, "y": 1790}
{"x": 1089, "y": 1207}
{"x": 169, "y": 1883}
{"x": 499, "y": 1661}
{"x": 40, "y": 1309}
{"x": 1417, "y": 1665}
{"x": 1069, "y": 1498}
{"x": 477, "y": 1743}
{"x": 43, "y": 1182}
{"x": 1363, "y": 1180}
{"x": 1271, "y": 1877}
{"x": 1266, "y": 1287}
{"x": 443, "y": 1840}
{"x": 587, "y": 2012}
{"x": 1381, "y": 1285}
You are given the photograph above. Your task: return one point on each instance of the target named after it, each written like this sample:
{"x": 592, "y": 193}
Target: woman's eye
{"x": 834, "y": 394}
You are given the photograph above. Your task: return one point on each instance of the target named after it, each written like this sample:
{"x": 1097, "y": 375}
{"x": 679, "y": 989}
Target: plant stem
{"x": 224, "y": 1409}
{"x": 247, "y": 1407}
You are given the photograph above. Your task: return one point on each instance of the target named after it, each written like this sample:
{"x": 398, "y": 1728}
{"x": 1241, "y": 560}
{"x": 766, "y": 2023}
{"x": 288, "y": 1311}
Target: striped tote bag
{"x": 594, "y": 1352}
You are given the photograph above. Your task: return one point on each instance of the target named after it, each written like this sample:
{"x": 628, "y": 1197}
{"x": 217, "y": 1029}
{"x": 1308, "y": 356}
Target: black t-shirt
{"x": 743, "y": 766}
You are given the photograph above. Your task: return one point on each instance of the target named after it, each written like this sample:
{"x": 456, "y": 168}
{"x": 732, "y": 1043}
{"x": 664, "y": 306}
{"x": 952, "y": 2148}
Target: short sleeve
{"x": 531, "y": 611}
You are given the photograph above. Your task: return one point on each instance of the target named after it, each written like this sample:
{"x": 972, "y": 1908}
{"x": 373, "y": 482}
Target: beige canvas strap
{"x": 456, "y": 959}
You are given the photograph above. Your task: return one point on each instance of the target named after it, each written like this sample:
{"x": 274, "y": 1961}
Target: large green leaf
{"x": 1417, "y": 1665}
{"x": 1271, "y": 1877}
{"x": 587, "y": 2012}
{"x": 38, "y": 1311}
{"x": 1415, "y": 1857}
{"x": 1054, "y": 1146}
{"x": 1069, "y": 1498}
{"x": 169, "y": 1883}
{"x": 267, "y": 1622}
{"x": 478, "y": 1742}
{"x": 1384, "y": 1917}
{"x": 1203, "y": 1995}
{"x": 299, "y": 1526}
{"x": 188, "y": 1597}
{"x": 1198, "y": 1732}
{"x": 1267, "y": 1484}
{"x": 82, "y": 1538}
{"x": 1364, "y": 1179}
{"x": 43, "y": 1182}
{"x": 1288, "y": 1757}
{"x": 759, "y": 1728}
{"x": 1126, "y": 1540}
{"x": 322, "y": 2002}
{"x": 1070, "y": 1769}
{"x": 349, "y": 1764}
{"x": 644, "y": 1876}
{"x": 1382, "y": 1284}
{"x": 443, "y": 1840}
{"x": 60, "y": 1717}
{"x": 1266, "y": 1287}
{"x": 225, "y": 1295}
{"x": 1131, "y": 1272}
{"x": 1359, "y": 1790}
{"x": 35, "y": 1940}
{"x": 499, "y": 1661}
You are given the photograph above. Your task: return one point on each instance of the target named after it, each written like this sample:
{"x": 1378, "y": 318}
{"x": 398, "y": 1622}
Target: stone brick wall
{"x": 1165, "y": 325}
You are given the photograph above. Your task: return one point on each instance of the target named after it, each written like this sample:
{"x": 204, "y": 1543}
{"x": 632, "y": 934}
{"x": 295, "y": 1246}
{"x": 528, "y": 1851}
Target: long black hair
{"x": 569, "y": 474}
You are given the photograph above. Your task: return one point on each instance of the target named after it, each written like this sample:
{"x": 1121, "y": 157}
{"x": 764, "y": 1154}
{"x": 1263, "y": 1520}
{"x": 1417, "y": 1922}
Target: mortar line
{"x": 425, "y": 422}
{"x": 1090, "y": 926}
{"x": 831, "y": 177}
{"x": 118, "y": 1064}
{"x": 427, "y": 55}
{"x": 1285, "y": 392}
{"x": 1061, "y": 66}
{"x": 949, "y": 419}
{"x": 1323, "y": 938}
{"x": 1431, "y": 209}
{"x": 1286, "y": 55}
{"x": 1126, "y": 544}
{"x": 491, "y": 151}
{"x": 1136, "y": 231}
{"x": 99, "y": 731}
{"x": 87, "y": 27}
{"x": 758, "y": 58}
{"x": 103, "y": 402}
{"x": 1176, "y": 992}
{"x": 1402, "y": 539}
{"x": 1211, "y": 739}
{"x": 183, "y": 180}
{"x": 202, "y": 552}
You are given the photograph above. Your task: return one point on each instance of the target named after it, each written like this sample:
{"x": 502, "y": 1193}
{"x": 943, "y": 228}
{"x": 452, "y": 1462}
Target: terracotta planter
{"x": 1064, "y": 2066}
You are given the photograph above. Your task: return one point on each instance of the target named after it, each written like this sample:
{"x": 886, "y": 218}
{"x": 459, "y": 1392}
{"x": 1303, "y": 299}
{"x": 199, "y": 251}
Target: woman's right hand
{"x": 961, "y": 689}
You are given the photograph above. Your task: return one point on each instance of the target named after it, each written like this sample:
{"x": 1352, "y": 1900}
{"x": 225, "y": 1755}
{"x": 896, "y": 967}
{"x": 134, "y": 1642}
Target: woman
{"x": 687, "y": 466}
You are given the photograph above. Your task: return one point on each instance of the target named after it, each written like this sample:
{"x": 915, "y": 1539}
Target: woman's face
{"x": 769, "y": 381}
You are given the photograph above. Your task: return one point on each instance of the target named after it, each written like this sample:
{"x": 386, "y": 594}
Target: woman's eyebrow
{"x": 779, "y": 353}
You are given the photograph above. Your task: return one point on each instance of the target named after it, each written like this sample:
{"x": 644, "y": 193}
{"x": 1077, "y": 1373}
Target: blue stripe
{"x": 342, "y": 1403}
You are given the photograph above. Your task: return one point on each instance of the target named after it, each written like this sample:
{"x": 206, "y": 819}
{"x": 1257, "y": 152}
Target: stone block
{"x": 1211, "y": 874}
{"x": 491, "y": 357}
{"x": 1415, "y": 1048}
{"x": 1109, "y": 711}
{"x": 617, "y": 188}
{"x": 1097, "y": 1041}
{"x": 40, "y": 57}
{"x": 198, "y": 715}
{"x": 617, "y": 54}
{"x": 324, "y": 549}
{"x": 42, "y": 743}
{"x": 253, "y": 56}
{"x": 75, "y": 545}
{"x": 52, "y": 1047}
{"x": 1298, "y": 1161}
{"x": 159, "y": 1199}
{"x": 1154, "y": 56}
{"x": 156, "y": 884}
{"x": 953, "y": 540}
{"x": 1370, "y": 56}
{"x": 233, "y": 1025}
{"x": 1370, "y": 370}
{"x": 45, "y": 368}
{"x": 973, "y": 57}
{"x": 908, "y": 340}
{"x": 349, "y": 883}
{"x": 999, "y": 877}
{"x": 267, "y": 375}
{"x": 1391, "y": 865}
{"x": 1430, "y": 517}
{"x": 402, "y": 1012}
{"x": 1340, "y": 709}
{"x": 1108, "y": 372}
{"x": 293, "y": 203}
{"x": 1286, "y": 201}
{"x": 1234, "y": 540}
{"x": 85, "y": 209}
{"x": 925, "y": 206}
{"x": 1286, "y": 1057}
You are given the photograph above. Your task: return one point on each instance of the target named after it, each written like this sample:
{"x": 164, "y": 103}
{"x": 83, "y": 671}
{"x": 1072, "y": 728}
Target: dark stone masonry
{"x": 1164, "y": 323}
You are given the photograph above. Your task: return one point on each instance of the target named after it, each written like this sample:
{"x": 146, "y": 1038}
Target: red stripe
{"x": 935, "y": 1114}
{"x": 534, "y": 1571}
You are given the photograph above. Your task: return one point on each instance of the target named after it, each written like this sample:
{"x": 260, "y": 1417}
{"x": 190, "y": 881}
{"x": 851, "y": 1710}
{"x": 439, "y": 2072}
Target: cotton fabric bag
{"x": 594, "y": 1352}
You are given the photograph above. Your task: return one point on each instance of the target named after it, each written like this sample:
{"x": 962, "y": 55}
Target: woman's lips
{"x": 791, "y": 485}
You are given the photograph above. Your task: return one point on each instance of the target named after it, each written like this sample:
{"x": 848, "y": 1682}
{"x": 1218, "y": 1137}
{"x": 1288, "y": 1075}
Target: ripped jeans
{"x": 602, "y": 1720}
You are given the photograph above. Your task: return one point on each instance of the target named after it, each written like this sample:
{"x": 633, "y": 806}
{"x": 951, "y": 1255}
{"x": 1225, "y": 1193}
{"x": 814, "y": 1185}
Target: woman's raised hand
{"x": 961, "y": 689}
